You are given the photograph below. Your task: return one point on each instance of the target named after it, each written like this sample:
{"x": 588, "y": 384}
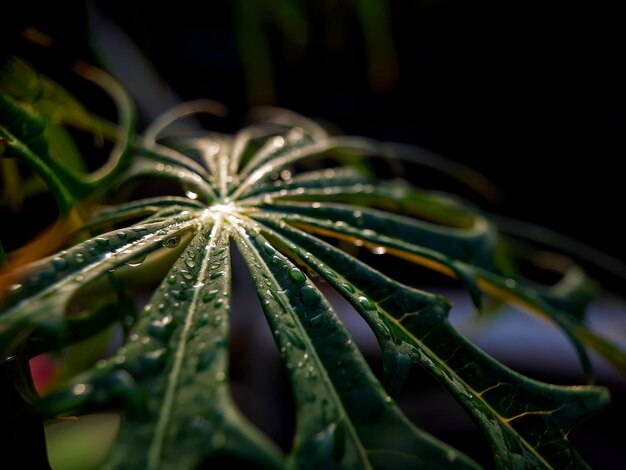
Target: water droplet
{"x": 172, "y": 242}
{"x": 216, "y": 320}
{"x": 218, "y": 303}
{"x": 191, "y": 194}
{"x": 81, "y": 389}
{"x": 178, "y": 294}
{"x": 171, "y": 279}
{"x": 210, "y": 295}
{"x": 275, "y": 260}
{"x": 60, "y": 264}
{"x": 310, "y": 295}
{"x": 220, "y": 377}
{"x": 297, "y": 276}
{"x": 153, "y": 361}
{"x": 79, "y": 257}
{"x": 348, "y": 287}
{"x": 316, "y": 320}
{"x": 186, "y": 274}
{"x": 316, "y": 205}
{"x": 366, "y": 303}
{"x": 269, "y": 249}
{"x": 161, "y": 329}
{"x": 216, "y": 274}
{"x": 278, "y": 141}
{"x": 121, "y": 235}
{"x": 136, "y": 261}
{"x": 510, "y": 283}
{"x": 101, "y": 241}
{"x": 378, "y": 250}
{"x": 190, "y": 263}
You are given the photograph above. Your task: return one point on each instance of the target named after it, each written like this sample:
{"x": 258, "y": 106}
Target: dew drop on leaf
{"x": 316, "y": 320}
{"x": 153, "y": 361}
{"x": 81, "y": 389}
{"x": 136, "y": 261}
{"x": 297, "y": 276}
{"x": 161, "y": 329}
{"x": 187, "y": 275}
{"x": 348, "y": 287}
{"x": 366, "y": 303}
{"x": 102, "y": 241}
{"x": 210, "y": 295}
{"x": 79, "y": 257}
{"x": 172, "y": 242}
{"x": 59, "y": 263}
{"x": 309, "y": 295}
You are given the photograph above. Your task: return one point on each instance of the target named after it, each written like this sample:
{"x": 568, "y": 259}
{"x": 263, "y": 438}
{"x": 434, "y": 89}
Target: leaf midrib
{"x": 363, "y": 451}
{"x": 165, "y": 412}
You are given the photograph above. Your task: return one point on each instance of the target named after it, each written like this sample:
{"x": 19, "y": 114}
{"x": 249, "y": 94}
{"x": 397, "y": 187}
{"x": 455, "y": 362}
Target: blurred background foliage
{"x": 529, "y": 94}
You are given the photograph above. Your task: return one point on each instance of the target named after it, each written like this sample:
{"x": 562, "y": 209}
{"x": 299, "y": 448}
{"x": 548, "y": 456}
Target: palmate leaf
{"x": 255, "y": 193}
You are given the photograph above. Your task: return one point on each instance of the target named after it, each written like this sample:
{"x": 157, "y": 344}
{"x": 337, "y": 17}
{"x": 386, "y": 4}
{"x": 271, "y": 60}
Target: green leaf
{"x": 174, "y": 369}
{"x": 38, "y": 304}
{"x": 526, "y": 420}
{"x": 344, "y": 416}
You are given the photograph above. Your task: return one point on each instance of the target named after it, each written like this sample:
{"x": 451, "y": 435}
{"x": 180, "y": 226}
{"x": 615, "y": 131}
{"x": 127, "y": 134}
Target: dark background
{"x": 530, "y": 94}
